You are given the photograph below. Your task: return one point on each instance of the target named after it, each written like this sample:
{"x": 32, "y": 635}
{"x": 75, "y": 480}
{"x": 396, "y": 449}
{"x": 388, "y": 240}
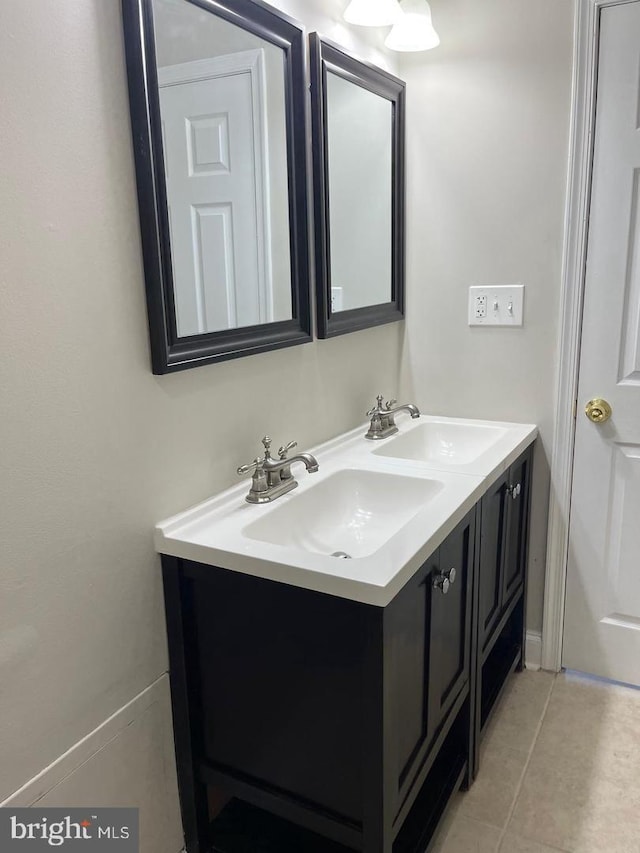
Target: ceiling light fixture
{"x": 413, "y": 30}
{"x": 372, "y": 13}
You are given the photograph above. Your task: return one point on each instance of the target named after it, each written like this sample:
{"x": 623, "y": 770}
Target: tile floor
{"x": 560, "y": 771}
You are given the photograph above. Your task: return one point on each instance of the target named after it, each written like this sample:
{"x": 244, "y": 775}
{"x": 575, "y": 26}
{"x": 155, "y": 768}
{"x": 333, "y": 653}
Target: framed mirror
{"x": 358, "y": 118}
{"x": 217, "y": 98}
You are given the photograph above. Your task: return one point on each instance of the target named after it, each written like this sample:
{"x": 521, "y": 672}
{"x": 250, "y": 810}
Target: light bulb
{"x": 413, "y": 30}
{"x": 372, "y": 13}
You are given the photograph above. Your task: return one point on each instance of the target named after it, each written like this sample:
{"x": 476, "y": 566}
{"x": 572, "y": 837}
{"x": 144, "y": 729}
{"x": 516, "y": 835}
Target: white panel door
{"x": 602, "y": 619}
{"x": 216, "y": 191}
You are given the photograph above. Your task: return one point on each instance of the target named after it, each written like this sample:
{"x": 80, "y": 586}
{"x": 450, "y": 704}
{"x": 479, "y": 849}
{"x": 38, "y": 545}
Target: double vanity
{"x": 342, "y": 622}
{"x": 337, "y": 647}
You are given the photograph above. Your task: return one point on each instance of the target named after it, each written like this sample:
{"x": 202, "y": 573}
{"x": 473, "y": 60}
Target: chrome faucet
{"x": 272, "y": 477}
{"x": 382, "y": 416}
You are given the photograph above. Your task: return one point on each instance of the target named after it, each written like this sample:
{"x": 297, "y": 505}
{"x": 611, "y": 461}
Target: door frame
{"x": 576, "y": 227}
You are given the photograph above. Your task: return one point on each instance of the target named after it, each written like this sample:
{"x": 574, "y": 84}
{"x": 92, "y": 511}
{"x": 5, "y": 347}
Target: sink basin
{"x": 353, "y": 512}
{"x": 443, "y": 442}
{"x": 388, "y": 505}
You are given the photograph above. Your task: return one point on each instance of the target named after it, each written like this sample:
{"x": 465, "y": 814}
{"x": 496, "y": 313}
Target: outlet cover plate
{"x": 499, "y": 305}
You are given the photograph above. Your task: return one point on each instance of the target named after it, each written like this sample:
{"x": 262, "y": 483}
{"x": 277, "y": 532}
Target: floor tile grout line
{"x": 526, "y": 765}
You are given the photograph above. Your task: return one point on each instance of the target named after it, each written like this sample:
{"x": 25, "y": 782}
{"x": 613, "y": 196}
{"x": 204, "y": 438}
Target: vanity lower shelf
{"x": 312, "y": 722}
{"x": 244, "y": 828}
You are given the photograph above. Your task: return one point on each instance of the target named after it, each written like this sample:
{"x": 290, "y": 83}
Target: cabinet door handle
{"x": 515, "y": 490}
{"x": 443, "y": 580}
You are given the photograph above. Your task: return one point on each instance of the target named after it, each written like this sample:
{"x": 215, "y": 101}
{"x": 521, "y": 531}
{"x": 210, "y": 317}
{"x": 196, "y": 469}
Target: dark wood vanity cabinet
{"x": 427, "y": 636}
{"x": 492, "y": 535}
{"x": 517, "y": 512}
{"x": 315, "y": 724}
{"x": 503, "y": 529}
{"x": 504, "y": 526}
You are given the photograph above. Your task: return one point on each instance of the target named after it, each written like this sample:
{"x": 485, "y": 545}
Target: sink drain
{"x": 341, "y": 555}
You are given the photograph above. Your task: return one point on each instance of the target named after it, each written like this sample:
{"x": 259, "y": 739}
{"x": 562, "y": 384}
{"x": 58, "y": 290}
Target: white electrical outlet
{"x": 502, "y": 305}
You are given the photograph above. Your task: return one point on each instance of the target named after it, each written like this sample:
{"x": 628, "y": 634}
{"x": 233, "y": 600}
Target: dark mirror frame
{"x": 329, "y": 57}
{"x": 168, "y": 351}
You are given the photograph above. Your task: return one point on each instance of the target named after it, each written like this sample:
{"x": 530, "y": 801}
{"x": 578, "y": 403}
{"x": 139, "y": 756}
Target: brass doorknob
{"x": 598, "y": 410}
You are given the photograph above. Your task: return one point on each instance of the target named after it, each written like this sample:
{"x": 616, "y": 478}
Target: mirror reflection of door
{"x": 210, "y": 107}
{"x": 222, "y": 107}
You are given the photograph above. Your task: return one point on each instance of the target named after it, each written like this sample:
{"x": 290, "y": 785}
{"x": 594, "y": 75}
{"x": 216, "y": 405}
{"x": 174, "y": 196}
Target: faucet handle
{"x": 378, "y": 407}
{"x": 391, "y": 404}
{"x": 282, "y": 451}
{"x": 250, "y": 468}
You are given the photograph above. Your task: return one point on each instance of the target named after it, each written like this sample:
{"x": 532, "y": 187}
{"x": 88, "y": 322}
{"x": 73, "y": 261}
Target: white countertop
{"x": 215, "y": 532}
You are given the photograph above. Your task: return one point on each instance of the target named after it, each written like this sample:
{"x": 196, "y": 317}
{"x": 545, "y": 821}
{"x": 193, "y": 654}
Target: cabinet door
{"x": 491, "y": 574}
{"x": 450, "y": 634}
{"x": 407, "y": 627}
{"x": 515, "y": 554}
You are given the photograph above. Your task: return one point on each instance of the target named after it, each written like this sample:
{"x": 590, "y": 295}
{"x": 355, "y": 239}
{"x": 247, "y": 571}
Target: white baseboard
{"x": 533, "y": 650}
{"x": 84, "y": 749}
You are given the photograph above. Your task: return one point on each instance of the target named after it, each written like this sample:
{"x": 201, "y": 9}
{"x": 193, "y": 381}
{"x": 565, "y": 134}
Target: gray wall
{"x": 95, "y": 449}
{"x": 487, "y": 146}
